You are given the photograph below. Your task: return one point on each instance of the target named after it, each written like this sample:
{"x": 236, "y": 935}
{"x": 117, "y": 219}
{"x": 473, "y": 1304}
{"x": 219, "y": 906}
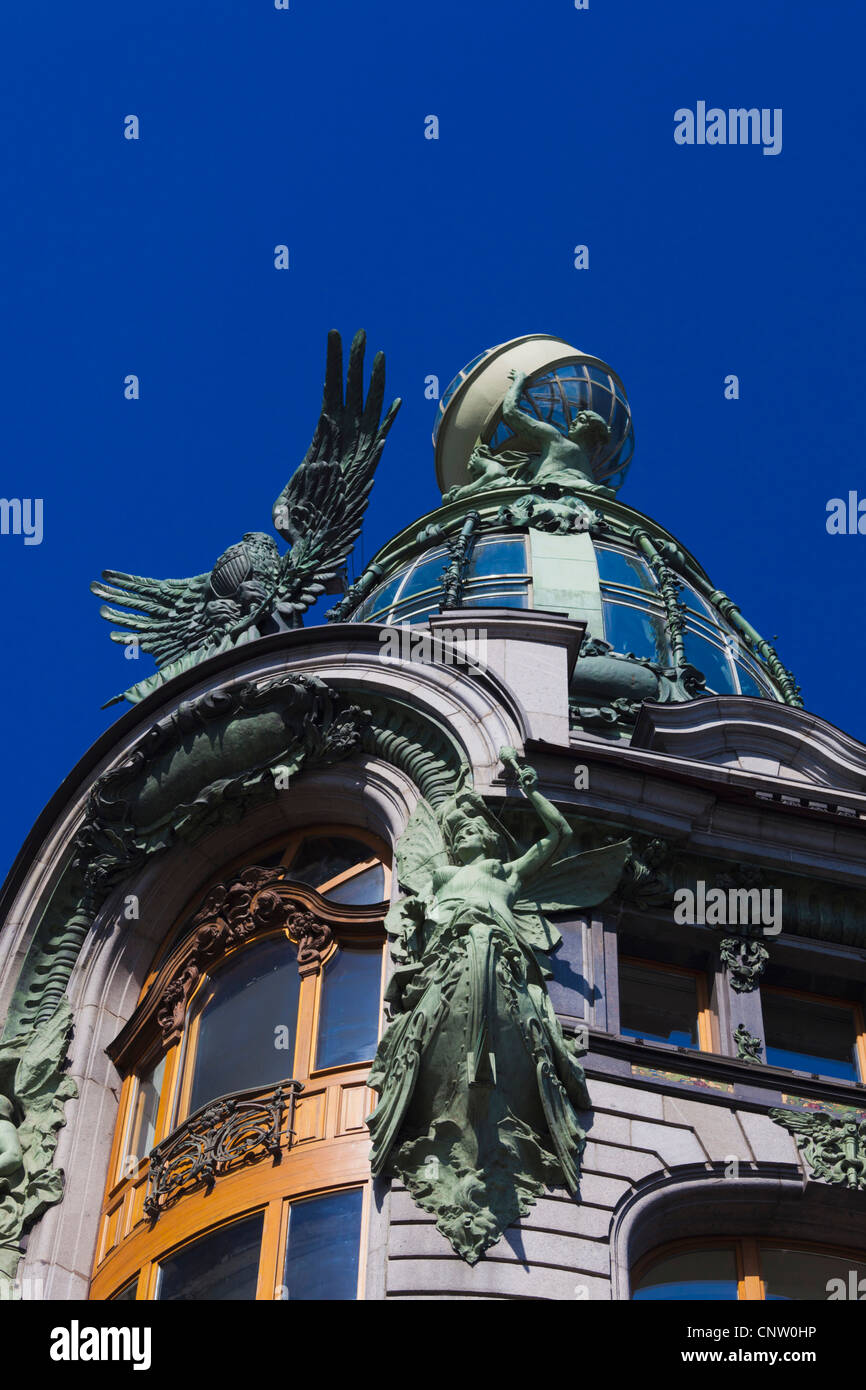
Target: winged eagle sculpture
{"x": 252, "y": 589}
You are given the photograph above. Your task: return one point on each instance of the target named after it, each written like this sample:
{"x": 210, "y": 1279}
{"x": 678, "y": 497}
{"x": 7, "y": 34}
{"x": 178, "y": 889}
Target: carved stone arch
{"x": 770, "y": 1199}
{"x": 158, "y": 799}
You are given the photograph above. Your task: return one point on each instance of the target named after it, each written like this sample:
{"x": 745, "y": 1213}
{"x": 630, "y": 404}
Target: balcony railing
{"x": 218, "y": 1137}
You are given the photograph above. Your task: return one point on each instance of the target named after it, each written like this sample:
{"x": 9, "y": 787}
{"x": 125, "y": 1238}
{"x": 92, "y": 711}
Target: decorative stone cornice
{"x": 756, "y": 735}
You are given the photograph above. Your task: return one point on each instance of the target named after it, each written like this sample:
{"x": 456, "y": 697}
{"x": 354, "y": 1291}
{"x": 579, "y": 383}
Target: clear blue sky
{"x": 306, "y": 127}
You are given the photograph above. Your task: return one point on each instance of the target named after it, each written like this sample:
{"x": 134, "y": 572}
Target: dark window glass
{"x": 127, "y": 1293}
{"x": 220, "y": 1267}
{"x": 409, "y": 614}
{"x": 636, "y": 631}
{"x": 368, "y": 886}
{"x": 143, "y": 1127}
{"x": 427, "y": 574}
{"x": 322, "y": 858}
{"x": 659, "y": 1005}
{"x": 323, "y": 1247}
{"x": 513, "y": 597}
{"x": 711, "y": 661}
{"x": 693, "y": 600}
{"x": 624, "y": 569}
{"x": 245, "y": 1003}
{"x": 807, "y": 1274}
{"x": 349, "y": 1011}
{"x": 809, "y": 1035}
{"x": 695, "y": 1274}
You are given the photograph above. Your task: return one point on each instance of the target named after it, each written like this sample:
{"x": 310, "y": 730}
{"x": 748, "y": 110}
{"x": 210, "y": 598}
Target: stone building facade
{"x": 203, "y": 902}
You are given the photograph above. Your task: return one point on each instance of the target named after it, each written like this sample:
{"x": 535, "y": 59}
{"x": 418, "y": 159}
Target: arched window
{"x": 240, "y": 1164}
{"x": 747, "y": 1268}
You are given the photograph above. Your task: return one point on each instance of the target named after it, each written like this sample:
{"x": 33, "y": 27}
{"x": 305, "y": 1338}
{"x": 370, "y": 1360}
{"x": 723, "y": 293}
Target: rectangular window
{"x": 807, "y": 1032}
{"x": 142, "y": 1129}
{"x": 222, "y": 1266}
{"x": 664, "y": 1003}
{"x": 324, "y": 1247}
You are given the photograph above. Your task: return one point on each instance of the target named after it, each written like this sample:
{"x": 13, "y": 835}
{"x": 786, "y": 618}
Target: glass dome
{"x": 614, "y": 591}
{"x": 633, "y": 622}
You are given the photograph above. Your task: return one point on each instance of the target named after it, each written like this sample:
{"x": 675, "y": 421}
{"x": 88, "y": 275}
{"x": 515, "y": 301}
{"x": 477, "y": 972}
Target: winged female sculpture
{"x": 479, "y": 1089}
{"x": 252, "y": 590}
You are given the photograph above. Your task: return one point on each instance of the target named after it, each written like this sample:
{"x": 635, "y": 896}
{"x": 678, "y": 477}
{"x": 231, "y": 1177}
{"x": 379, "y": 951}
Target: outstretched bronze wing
{"x": 320, "y": 510}
{"x": 572, "y": 884}
{"x": 169, "y": 617}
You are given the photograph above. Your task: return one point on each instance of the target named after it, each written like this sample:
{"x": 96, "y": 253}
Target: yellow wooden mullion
{"x": 860, "y": 1041}
{"x": 305, "y": 1035}
{"x": 270, "y": 1274}
{"x": 706, "y": 1040}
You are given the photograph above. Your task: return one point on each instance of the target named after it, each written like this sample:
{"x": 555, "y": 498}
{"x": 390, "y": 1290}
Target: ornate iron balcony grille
{"x": 220, "y": 1136}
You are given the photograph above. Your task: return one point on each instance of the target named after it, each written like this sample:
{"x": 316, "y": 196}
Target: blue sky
{"x": 306, "y": 127}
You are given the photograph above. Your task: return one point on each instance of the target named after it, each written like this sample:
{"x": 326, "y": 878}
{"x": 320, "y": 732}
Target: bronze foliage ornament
{"x": 834, "y": 1146}
{"x": 479, "y": 1090}
{"x": 33, "y": 1093}
{"x": 208, "y": 763}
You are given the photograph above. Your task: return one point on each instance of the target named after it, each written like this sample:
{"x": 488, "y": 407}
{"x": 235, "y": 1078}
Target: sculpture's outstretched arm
{"x": 558, "y": 831}
{"x": 519, "y": 421}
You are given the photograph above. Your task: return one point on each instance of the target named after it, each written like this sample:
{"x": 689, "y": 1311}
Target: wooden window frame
{"x": 855, "y": 1007}
{"x": 706, "y": 1020}
{"x": 272, "y": 1251}
{"x": 331, "y": 1152}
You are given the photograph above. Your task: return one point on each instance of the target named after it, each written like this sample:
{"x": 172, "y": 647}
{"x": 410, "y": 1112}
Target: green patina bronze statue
{"x": 564, "y": 460}
{"x": 252, "y": 590}
{"x": 488, "y": 470}
{"x": 479, "y": 1090}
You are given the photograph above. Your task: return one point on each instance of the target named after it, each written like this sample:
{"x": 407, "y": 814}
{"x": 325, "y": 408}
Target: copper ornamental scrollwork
{"x": 219, "y": 1136}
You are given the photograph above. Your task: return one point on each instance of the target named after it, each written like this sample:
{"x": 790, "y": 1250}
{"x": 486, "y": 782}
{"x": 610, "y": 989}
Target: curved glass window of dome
{"x": 723, "y": 667}
{"x": 624, "y": 568}
{"x": 497, "y": 575}
{"x": 636, "y": 629}
{"x": 454, "y": 385}
{"x": 709, "y": 626}
{"x": 557, "y": 396}
{"x": 715, "y": 650}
